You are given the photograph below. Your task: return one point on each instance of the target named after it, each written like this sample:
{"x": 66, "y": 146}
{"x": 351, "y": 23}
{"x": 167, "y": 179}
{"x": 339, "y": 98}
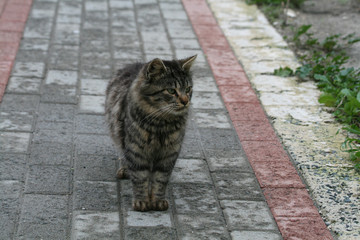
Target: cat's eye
{"x": 171, "y": 90}
{"x": 188, "y": 89}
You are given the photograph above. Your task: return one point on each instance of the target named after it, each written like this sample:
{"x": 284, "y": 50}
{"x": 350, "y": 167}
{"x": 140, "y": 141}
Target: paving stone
{"x": 24, "y": 85}
{"x": 51, "y": 153}
{"x": 96, "y": 16}
{"x": 194, "y": 198}
{"x": 63, "y": 57}
{"x": 221, "y": 139}
{"x": 212, "y": 119}
{"x": 93, "y": 86}
{"x": 147, "y": 219}
{"x": 95, "y": 225}
{"x": 43, "y": 216}
{"x": 92, "y": 104}
{"x": 61, "y": 77}
{"x": 91, "y": 124}
{"x": 8, "y": 216}
{"x": 206, "y": 100}
{"x": 16, "y": 142}
{"x": 185, "y": 43}
{"x": 67, "y": 33}
{"x": 247, "y": 215}
{"x": 70, "y": 8}
{"x": 191, "y": 146}
{"x": 99, "y": 196}
{"x": 190, "y": 170}
{"x": 35, "y": 44}
{"x": 94, "y": 45}
{"x": 255, "y": 235}
{"x": 234, "y": 160}
{"x": 95, "y": 168}
{"x": 96, "y": 6}
{"x": 237, "y": 185}
{"x": 150, "y": 233}
{"x": 114, "y": 4}
{"x": 175, "y": 14}
{"x": 12, "y": 166}
{"x": 204, "y": 84}
{"x": 94, "y": 144}
{"x": 121, "y": 39}
{"x": 56, "y": 112}
{"x": 202, "y": 226}
{"x": 185, "y": 53}
{"x": 48, "y": 180}
{"x": 33, "y": 69}
{"x": 38, "y": 28}
{"x": 31, "y": 56}
{"x": 127, "y": 53}
{"x": 55, "y": 93}
{"x": 58, "y": 136}
{"x": 14, "y": 120}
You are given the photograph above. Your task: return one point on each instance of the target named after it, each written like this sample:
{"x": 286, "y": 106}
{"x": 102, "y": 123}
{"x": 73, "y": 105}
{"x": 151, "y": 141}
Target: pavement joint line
{"x": 192, "y": 8}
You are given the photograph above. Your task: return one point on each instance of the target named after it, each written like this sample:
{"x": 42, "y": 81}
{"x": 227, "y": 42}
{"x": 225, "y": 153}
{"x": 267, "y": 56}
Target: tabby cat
{"x": 146, "y": 108}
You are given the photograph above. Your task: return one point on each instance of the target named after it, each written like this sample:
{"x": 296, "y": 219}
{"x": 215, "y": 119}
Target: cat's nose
{"x": 184, "y": 100}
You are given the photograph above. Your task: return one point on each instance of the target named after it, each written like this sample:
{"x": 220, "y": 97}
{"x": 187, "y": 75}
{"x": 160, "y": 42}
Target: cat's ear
{"x": 155, "y": 67}
{"x": 187, "y": 63}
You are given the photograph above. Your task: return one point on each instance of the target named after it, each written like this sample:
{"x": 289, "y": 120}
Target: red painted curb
{"x": 13, "y": 16}
{"x": 286, "y": 195}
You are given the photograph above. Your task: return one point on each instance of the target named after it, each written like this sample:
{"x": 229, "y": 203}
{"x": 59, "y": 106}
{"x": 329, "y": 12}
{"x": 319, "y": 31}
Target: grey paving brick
{"x": 10, "y": 201}
{"x": 191, "y": 171}
{"x": 205, "y": 84}
{"x": 191, "y": 147}
{"x": 57, "y": 136}
{"x": 202, "y": 226}
{"x": 67, "y": 33}
{"x": 51, "y": 153}
{"x": 95, "y": 168}
{"x": 63, "y": 57}
{"x": 48, "y": 180}
{"x": 24, "y": 85}
{"x": 95, "y": 225}
{"x": 94, "y": 45}
{"x": 35, "y": 44}
{"x": 31, "y": 56}
{"x": 58, "y": 93}
{"x": 185, "y": 43}
{"x": 38, "y": 28}
{"x": 45, "y": 9}
{"x": 19, "y": 102}
{"x": 94, "y": 144}
{"x": 12, "y": 166}
{"x": 230, "y": 160}
{"x": 43, "y": 217}
{"x": 246, "y": 215}
{"x": 114, "y": 4}
{"x": 212, "y": 119}
{"x": 221, "y": 139}
{"x": 92, "y": 57}
{"x": 96, "y": 16}
{"x": 194, "y": 198}
{"x": 206, "y": 100}
{"x": 16, "y": 142}
{"x": 96, "y": 6}
{"x": 147, "y": 219}
{"x": 125, "y": 39}
{"x": 92, "y": 104}
{"x": 14, "y": 120}
{"x": 61, "y": 77}
{"x": 65, "y": 128}
{"x": 127, "y": 53}
{"x": 56, "y": 112}
{"x": 93, "y": 86}
{"x": 175, "y": 14}
{"x": 91, "y": 124}
{"x": 150, "y": 233}
{"x": 99, "y": 196}
{"x": 98, "y": 71}
{"x": 27, "y": 69}
{"x": 182, "y": 32}
{"x": 255, "y": 235}
{"x": 68, "y": 18}
{"x": 70, "y": 8}
{"x": 184, "y": 53}
{"x": 237, "y": 185}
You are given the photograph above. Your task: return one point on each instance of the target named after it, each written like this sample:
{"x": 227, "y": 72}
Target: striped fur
{"x": 146, "y": 108}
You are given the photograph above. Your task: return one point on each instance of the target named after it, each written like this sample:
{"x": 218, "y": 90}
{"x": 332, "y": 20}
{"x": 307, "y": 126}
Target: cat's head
{"x": 168, "y": 85}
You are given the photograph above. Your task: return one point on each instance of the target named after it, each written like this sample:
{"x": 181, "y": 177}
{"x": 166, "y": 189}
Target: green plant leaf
{"x": 284, "y": 72}
{"x": 327, "y": 99}
{"x": 345, "y": 92}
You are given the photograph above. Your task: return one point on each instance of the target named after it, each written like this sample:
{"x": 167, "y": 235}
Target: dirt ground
{"x": 328, "y": 17}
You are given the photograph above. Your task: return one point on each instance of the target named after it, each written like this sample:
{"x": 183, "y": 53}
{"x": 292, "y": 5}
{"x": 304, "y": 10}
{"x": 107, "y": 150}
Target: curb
{"x": 286, "y": 195}
{"x": 13, "y": 17}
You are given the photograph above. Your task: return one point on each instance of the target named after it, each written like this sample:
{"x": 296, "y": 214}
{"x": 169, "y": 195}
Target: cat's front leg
{"x": 159, "y": 182}
{"x": 140, "y": 182}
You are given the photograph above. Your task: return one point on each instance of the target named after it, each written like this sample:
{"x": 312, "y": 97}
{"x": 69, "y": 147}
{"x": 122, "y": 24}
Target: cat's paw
{"x": 142, "y": 206}
{"x": 122, "y": 173}
{"x": 160, "y": 205}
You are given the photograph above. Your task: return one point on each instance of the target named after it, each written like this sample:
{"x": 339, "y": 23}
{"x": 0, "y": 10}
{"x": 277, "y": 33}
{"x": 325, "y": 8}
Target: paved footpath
{"x": 58, "y": 164}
